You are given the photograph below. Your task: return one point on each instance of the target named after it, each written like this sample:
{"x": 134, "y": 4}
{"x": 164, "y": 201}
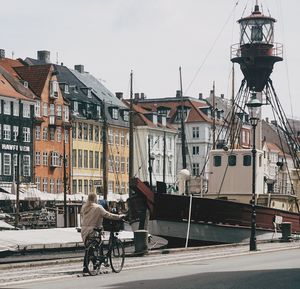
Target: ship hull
{"x": 212, "y": 220}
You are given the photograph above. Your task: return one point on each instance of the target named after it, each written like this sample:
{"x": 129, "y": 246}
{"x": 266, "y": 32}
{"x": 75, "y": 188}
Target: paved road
{"x": 222, "y": 268}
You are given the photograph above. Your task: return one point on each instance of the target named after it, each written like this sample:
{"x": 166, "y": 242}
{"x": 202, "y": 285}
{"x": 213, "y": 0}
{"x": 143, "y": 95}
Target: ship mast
{"x": 131, "y": 143}
{"x": 183, "y": 149}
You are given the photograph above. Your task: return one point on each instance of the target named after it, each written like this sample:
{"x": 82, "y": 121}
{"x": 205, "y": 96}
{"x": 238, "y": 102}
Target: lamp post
{"x": 150, "y": 163}
{"x": 254, "y": 109}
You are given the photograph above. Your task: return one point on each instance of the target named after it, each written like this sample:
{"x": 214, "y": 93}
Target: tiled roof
{"x": 9, "y": 65}
{"x": 36, "y": 76}
{"x": 195, "y": 114}
{"x": 6, "y": 89}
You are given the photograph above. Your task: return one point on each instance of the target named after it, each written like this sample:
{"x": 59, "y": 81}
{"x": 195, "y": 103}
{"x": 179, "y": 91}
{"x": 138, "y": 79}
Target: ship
{"x": 239, "y": 204}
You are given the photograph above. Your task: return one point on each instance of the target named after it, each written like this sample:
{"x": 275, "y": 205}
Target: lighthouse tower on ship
{"x": 231, "y": 167}
{"x": 256, "y": 52}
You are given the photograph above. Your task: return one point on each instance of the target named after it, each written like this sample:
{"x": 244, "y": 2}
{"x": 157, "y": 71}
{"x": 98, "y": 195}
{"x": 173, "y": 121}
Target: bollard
{"x": 286, "y": 231}
{"x": 141, "y": 242}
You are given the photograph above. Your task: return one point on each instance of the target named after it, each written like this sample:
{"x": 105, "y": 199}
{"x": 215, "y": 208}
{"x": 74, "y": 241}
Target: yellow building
{"x": 99, "y": 135}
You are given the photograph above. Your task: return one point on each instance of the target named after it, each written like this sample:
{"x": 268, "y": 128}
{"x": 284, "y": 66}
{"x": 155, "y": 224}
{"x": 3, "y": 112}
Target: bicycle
{"x": 99, "y": 252}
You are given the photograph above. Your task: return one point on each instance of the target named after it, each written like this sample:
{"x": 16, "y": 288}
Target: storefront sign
{"x": 9, "y": 147}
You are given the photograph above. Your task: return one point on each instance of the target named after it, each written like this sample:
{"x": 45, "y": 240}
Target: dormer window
{"x": 99, "y": 111}
{"x": 89, "y": 93}
{"x": 25, "y": 83}
{"x": 75, "y": 106}
{"x": 115, "y": 113}
{"x": 66, "y": 88}
{"x": 154, "y": 119}
{"x": 126, "y": 115}
{"x": 181, "y": 114}
{"x": 53, "y": 89}
{"x": 163, "y": 111}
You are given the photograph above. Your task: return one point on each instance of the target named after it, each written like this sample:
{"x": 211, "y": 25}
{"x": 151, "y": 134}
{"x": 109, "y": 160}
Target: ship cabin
{"x": 230, "y": 174}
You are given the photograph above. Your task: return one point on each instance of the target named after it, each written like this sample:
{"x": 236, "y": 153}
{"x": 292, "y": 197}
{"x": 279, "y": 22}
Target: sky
{"x": 152, "y": 38}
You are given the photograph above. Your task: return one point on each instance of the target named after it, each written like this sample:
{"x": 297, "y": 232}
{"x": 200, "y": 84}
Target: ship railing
{"x": 260, "y": 50}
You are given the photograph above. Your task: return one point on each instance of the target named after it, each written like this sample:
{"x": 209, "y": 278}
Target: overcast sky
{"x": 152, "y": 38}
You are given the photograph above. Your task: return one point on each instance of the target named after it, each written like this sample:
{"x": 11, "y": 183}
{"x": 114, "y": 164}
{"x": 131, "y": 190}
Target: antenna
{"x": 57, "y": 58}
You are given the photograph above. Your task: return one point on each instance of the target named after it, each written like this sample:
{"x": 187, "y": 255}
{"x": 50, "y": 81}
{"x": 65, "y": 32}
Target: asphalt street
{"x": 226, "y": 268}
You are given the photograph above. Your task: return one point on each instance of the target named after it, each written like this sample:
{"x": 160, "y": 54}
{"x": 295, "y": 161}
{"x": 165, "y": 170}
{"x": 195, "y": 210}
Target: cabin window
{"x": 247, "y": 160}
{"x": 232, "y": 160}
{"x": 217, "y": 161}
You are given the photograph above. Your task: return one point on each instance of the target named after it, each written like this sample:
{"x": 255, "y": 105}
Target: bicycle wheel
{"x": 117, "y": 255}
{"x": 91, "y": 261}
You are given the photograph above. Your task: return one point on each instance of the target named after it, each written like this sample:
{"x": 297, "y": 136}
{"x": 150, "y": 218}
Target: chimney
{"x": 136, "y": 96}
{"x": 2, "y": 53}
{"x": 178, "y": 93}
{"x": 200, "y": 95}
{"x": 267, "y": 120}
{"x": 142, "y": 95}
{"x": 44, "y": 55}
{"x": 119, "y": 95}
{"x": 79, "y": 68}
{"x": 222, "y": 95}
{"x": 211, "y": 94}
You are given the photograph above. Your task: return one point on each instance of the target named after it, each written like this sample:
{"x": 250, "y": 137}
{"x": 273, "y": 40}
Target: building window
{"x": 74, "y": 127}
{"x": 52, "y": 133}
{"x": 91, "y": 159}
{"x": 58, "y": 134}
{"x": 45, "y": 133}
{"x": 91, "y": 132}
{"x": 126, "y": 115}
{"x": 26, "y": 134}
{"x": 85, "y": 159}
{"x": 96, "y": 133}
{"x": 115, "y": 113}
{"x": 86, "y": 187}
{"x": 80, "y": 186}
{"x": 75, "y": 106}
{"x": 15, "y": 108}
{"x": 122, "y": 138}
{"x": 117, "y": 138}
{"x": 79, "y": 158}
{"x": 6, "y": 107}
{"x": 232, "y": 160}
{"x": 45, "y": 184}
{"x": 195, "y": 150}
{"x": 217, "y": 161}
{"x": 26, "y": 110}
{"x": 196, "y": 132}
{"x": 26, "y": 166}
{"x": 15, "y": 133}
{"x": 45, "y": 109}
{"x": 66, "y": 136}
{"x": 247, "y": 160}
{"x": 122, "y": 187}
{"x": 52, "y": 186}
{"x": 117, "y": 164}
{"x": 99, "y": 111}
{"x": 110, "y": 136}
{"x": 79, "y": 130}
{"x": 111, "y": 163}
{"x": 127, "y": 165}
{"x": 90, "y": 186}
{"x": 38, "y": 183}
{"x": 7, "y": 164}
{"x": 117, "y": 189}
{"x": 52, "y": 109}
{"x": 66, "y": 113}
{"x": 45, "y": 158}
{"x": 37, "y": 132}
{"x": 37, "y": 158}
{"x": 6, "y": 132}
{"x": 74, "y": 187}
{"x": 59, "y": 112}
{"x": 74, "y": 158}
{"x": 58, "y": 186}
{"x": 96, "y": 160}
{"x": 196, "y": 169}
{"x": 122, "y": 165}
{"x": 170, "y": 167}
{"x": 127, "y": 139}
{"x": 53, "y": 89}
{"x": 110, "y": 186}
{"x": 37, "y": 108}
{"x": 85, "y": 131}
{"x": 55, "y": 159}
{"x": 157, "y": 167}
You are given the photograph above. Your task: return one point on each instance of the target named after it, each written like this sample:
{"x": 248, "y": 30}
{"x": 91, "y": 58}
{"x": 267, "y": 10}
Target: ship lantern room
{"x": 256, "y": 51}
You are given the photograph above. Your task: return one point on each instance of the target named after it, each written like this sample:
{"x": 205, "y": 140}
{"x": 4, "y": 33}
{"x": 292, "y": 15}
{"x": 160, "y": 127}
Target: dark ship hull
{"x": 213, "y": 221}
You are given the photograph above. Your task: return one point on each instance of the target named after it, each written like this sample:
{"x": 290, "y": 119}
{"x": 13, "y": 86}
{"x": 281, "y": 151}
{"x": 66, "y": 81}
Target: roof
{"x": 9, "y": 65}
{"x": 98, "y": 88}
{"x": 36, "y": 76}
{"x": 6, "y": 89}
{"x": 173, "y": 103}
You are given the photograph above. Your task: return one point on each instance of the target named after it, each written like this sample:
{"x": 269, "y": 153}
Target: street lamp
{"x": 254, "y": 109}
